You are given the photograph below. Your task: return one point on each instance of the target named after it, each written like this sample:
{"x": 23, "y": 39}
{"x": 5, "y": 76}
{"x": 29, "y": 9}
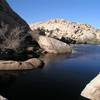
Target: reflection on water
{"x": 49, "y": 58}
{"x": 7, "y": 78}
{"x": 62, "y": 78}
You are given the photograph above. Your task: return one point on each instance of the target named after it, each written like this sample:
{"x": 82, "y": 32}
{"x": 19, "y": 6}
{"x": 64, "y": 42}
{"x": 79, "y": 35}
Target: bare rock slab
{"x": 2, "y": 98}
{"x": 21, "y": 65}
{"x": 92, "y": 90}
{"x": 52, "y": 45}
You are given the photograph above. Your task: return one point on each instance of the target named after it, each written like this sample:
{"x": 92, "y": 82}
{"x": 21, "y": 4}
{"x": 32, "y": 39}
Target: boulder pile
{"x": 70, "y": 32}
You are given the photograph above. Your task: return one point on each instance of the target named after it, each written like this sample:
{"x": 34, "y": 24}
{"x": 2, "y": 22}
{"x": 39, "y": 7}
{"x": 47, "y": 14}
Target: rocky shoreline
{"x": 20, "y": 47}
{"x": 24, "y": 43}
{"x": 21, "y": 65}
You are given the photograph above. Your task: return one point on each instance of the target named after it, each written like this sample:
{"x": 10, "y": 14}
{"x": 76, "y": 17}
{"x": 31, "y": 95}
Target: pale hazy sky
{"x": 83, "y": 11}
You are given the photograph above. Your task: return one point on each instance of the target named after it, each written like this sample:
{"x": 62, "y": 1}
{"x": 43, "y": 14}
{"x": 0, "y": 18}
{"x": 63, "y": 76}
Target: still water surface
{"x": 62, "y": 78}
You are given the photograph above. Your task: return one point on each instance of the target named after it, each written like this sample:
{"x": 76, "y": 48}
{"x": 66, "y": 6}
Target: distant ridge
{"x": 58, "y": 28}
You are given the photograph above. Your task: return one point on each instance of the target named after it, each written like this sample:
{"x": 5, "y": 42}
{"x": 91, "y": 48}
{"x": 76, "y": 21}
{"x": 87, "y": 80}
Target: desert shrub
{"x": 13, "y": 39}
{"x": 41, "y": 31}
{"x": 14, "y": 43}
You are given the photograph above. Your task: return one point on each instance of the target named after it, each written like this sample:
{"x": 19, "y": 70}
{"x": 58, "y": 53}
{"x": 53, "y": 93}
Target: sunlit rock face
{"x": 92, "y": 90}
{"x": 58, "y": 28}
{"x": 32, "y": 63}
{"x": 51, "y": 45}
{"x": 2, "y": 98}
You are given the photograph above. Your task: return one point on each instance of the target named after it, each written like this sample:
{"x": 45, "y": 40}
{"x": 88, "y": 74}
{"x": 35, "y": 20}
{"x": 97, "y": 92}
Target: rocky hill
{"x": 67, "y": 31}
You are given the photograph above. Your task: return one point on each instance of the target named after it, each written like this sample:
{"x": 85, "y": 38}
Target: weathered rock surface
{"x": 2, "y": 98}
{"x": 51, "y": 45}
{"x": 58, "y": 28}
{"x": 92, "y": 90}
{"x": 21, "y": 65}
{"x": 8, "y": 16}
{"x": 14, "y": 31}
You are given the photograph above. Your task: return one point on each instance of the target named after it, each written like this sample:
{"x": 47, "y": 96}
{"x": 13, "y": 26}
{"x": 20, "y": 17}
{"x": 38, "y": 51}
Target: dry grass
{"x": 12, "y": 39}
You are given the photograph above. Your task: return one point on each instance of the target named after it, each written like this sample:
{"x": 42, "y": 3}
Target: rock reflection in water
{"x": 62, "y": 78}
{"x": 48, "y": 58}
{"x": 7, "y": 78}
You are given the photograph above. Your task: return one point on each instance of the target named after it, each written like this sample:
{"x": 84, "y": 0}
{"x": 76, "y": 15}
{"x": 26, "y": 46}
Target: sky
{"x": 82, "y": 11}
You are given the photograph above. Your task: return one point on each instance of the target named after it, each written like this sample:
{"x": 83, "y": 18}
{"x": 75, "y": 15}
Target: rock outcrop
{"x": 21, "y": 65}
{"x": 92, "y": 90}
{"x": 15, "y": 41}
{"x": 8, "y": 16}
{"x": 67, "y": 31}
{"x": 51, "y": 45}
{"x": 2, "y": 98}
{"x": 14, "y": 31}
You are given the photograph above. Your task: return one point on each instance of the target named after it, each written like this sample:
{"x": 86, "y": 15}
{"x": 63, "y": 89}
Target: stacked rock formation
{"x": 70, "y": 32}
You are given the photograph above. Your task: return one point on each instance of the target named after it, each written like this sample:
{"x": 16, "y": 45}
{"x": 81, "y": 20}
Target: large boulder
{"x": 2, "y": 98}
{"x": 21, "y": 65}
{"x": 51, "y": 45}
{"x": 92, "y": 90}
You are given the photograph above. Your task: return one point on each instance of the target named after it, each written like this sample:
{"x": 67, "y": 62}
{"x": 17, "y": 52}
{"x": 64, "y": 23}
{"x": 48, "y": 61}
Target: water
{"x": 62, "y": 78}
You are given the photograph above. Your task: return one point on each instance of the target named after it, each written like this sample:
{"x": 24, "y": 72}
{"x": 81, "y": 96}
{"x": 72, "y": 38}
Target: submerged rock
{"x": 21, "y": 65}
{"x": 51, "y": 45}
{"x": 92, "y": 90}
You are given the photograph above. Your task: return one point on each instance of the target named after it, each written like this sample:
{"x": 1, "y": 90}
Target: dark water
{"x": 62, "y": 78}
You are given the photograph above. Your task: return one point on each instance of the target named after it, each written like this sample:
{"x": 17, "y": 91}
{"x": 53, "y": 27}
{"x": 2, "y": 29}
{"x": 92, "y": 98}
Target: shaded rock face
{"x": 15, "y": 41}
{"x": 8, "y": 16}
{"x": 51, "y": 45}
{"x": 71, "y": 32}
{"x": 18, "y": 56}
{"x": 15, "y": 34}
